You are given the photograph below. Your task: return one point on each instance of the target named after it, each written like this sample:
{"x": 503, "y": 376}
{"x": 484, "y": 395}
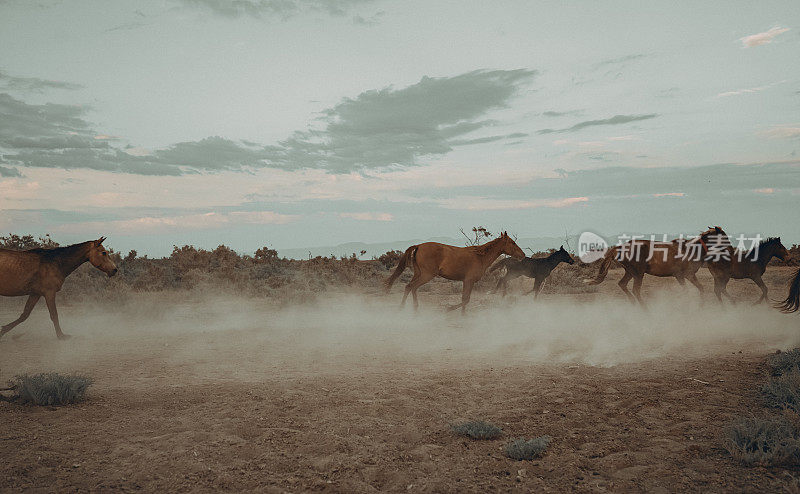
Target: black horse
{"x": 538, "y": 269}
{"x": 792, "y": 302}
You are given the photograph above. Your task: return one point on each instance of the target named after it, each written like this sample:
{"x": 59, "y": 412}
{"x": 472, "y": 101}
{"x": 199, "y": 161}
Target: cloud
{"x": 551, "y": 113}
{"x": 489, "y": 204}
{"x": 187, "y": 222}
{"x": 283, "y": 9}
{"x": 615, "y": 120}
{"x": 765, "y": 190}
{"x": 368, "y": 216}
{"x": 620, "y": 60}
{"x": 669, "y": 194}
{"x": 762, "y": 38}
{"x": 32, "y": 84}
{"x": 781, "y": 132}
{"x": 378, "y": 129}
{"x": 392, "y": 127}
{"x": 748, "y": 90}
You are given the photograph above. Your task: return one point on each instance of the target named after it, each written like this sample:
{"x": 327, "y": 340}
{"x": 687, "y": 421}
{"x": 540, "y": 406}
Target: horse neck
{"x": 765, "y": 254}
{"x": 490, "y": 252}
{"x": 71, "y": 258}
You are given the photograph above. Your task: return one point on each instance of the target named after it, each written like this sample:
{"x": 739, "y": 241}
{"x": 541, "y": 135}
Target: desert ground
{"x": 351, "y": 394}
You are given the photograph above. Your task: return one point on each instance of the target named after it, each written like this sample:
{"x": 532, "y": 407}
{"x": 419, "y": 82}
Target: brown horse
{"x": 680, "y": 258}
{"x": 41, "y": 272}
{"x": 467, "y": 264}
{"x": 792, "y": 302}
{"x": 537, "y": 268}
{"x": 740, "y": 265}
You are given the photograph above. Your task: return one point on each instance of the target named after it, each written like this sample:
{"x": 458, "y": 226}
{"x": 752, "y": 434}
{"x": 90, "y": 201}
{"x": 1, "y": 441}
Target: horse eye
{"x": 105, "y": 253}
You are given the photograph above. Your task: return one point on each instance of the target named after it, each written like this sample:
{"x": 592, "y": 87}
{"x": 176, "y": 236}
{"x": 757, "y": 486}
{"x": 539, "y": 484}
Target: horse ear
{"x": 100, "y": 240}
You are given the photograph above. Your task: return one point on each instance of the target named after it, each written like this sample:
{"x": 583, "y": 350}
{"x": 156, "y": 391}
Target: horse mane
{"x": 751, "y": 254}
{"x": 484, "y": 248}
{"x": 58, "y": 252}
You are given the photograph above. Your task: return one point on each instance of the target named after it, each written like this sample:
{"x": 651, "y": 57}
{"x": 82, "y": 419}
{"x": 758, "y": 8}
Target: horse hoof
{"x": 63, "y": 336}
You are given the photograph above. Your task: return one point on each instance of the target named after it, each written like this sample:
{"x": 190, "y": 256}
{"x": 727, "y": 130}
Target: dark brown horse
{"x": 538, "y": 269}
{"x": 41, "y": 272}
{"x": 743, "y": 265}
{"x": 680, "y": 258}
{"x": 792, "y": 302}
{"x": 467, "y": 264}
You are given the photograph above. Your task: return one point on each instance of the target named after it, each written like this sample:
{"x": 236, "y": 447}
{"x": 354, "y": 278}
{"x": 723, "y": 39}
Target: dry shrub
{"x": 522, "y": 449}
{"x": 764, "y": 442}
{"x": 50, "y": 389}
{"x": 783, "y": 391}
{"x": 477, "y": 429}
{"x": 784, "y": 362}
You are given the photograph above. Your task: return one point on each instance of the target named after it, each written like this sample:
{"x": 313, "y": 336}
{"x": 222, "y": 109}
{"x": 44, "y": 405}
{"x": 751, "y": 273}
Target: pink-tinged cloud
{"x": 205, "y": 221}
{"x": 368, "y": 216}
{"x": 669, "y": 194}
{"x": 767, "y": 190}
{"x": 762, "y": 38}
{"x": 781, "y": 132}
{"x": 483, "y": 204}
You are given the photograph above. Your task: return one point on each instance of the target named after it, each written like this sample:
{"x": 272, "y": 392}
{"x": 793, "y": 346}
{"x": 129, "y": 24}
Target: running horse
{"x": 681, "y": 258}
{"x": 467, "y": 264}
{"x": 739, "y": 265}
{"x": 41, "y": 273}
{"x": 537, "y": 268}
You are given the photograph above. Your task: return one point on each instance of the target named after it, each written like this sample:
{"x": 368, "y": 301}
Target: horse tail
{"x": 792, "y": 302}
{"x": 503, "y": 263}
{"x": 601, "y": 274}
{"x": 401, "y": 266}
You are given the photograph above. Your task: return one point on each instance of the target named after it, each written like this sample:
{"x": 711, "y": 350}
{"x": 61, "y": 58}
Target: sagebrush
{"x": 477, "y": 429}
{"x": 527, "y": 449}
{"x": 764, "y": 442}
{"x": 50, "y": 389}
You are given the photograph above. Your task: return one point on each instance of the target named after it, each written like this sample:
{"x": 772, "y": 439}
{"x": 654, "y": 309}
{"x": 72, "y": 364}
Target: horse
{"x": 680, "y": 258}
{"x": 740, "y": 265}
{"x": 467, "y": 264}
{"x": 41, "y": 273}
{"x": 538, "y": 269}
{"x": 792, "y": 302}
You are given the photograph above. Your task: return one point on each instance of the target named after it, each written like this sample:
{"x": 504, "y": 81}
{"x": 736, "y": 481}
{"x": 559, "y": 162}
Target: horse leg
{"x": 29, "y": 305}
{"x": 637, "y": 288}
{"x": 763, "y": 287}
{"x": 465, "y": 294}
{"x": 537, "y": 287}
{"x": 50, "y": 298}
{"x": 502, "y": 283}
{"x": 421, "y": 281}
{"x": 623, "y": 284}
{"x": 693, "y": 279}
{"x": 680, "y": 279}
{"x": 408, "y": 288}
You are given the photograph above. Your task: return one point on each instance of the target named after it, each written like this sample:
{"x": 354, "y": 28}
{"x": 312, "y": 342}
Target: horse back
{"x": 19, "y": 272}
{"x": 444, "y": 260}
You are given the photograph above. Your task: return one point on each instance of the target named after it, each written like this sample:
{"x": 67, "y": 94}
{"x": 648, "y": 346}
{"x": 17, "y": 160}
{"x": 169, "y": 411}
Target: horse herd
{"x": 41, "y": 272}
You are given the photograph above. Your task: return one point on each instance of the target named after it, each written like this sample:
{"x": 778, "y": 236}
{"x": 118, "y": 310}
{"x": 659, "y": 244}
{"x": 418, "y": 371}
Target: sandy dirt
{"x": 353, "y": 395}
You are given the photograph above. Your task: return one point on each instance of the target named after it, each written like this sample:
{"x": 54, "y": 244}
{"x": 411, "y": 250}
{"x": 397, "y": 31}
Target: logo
{"x": 591, "y": 247}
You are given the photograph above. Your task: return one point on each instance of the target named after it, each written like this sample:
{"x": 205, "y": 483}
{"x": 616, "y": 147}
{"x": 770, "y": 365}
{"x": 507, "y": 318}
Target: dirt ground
{"x": 356, "y": 396}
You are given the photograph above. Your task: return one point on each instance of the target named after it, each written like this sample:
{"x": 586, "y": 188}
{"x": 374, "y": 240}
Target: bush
{"x": 764, "y": 442}
{"x": 51, "y": 389}
{"x": 784, "y": 362}
{"x": 783, "y": 391}
{"x": 477, "y": 429}
{"x": 522, "y": 449}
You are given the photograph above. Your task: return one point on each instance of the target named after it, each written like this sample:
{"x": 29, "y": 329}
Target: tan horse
{"x": 680, "y": 258}
{"x": 467, "y": 264}
{"x": 739, "y": 265}
{"x": 41, "y": 272}
{"x": 792, "y": 302}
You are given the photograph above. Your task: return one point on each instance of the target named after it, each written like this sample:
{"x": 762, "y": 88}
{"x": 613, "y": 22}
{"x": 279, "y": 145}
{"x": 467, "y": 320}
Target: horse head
{"x": 509, "y": 247}
{"x": 99, "y": 257}
{"x": 781, "y": 252}
{"x": 563, "y": 256}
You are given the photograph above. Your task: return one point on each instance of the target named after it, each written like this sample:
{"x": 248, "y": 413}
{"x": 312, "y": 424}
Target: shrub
{"x": 51, "y": 389}
{"x": 764, "y": 442}
{"x": 522, "y": 449}
{"x": 784, "y": 362}
{"x": 783, "y": 391}
{"x": 477, "y": 429}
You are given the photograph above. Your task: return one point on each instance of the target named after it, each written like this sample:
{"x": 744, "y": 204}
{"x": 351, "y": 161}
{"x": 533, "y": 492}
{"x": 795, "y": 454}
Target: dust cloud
{"x": 217, "y": 338}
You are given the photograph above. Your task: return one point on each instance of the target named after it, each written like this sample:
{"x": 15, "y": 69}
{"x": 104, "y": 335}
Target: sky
{"x": 294, "y": 123}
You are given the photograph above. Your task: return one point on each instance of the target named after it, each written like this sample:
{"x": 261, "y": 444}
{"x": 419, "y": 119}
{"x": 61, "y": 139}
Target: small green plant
{"x": 522, "y": 449}
{"x": 477, "y": 429}
{"x": 50, "y": 389}
{"x": 783, "y": 391}
{"x": 784, "y": 362}
{"x": 764, "y": 442}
